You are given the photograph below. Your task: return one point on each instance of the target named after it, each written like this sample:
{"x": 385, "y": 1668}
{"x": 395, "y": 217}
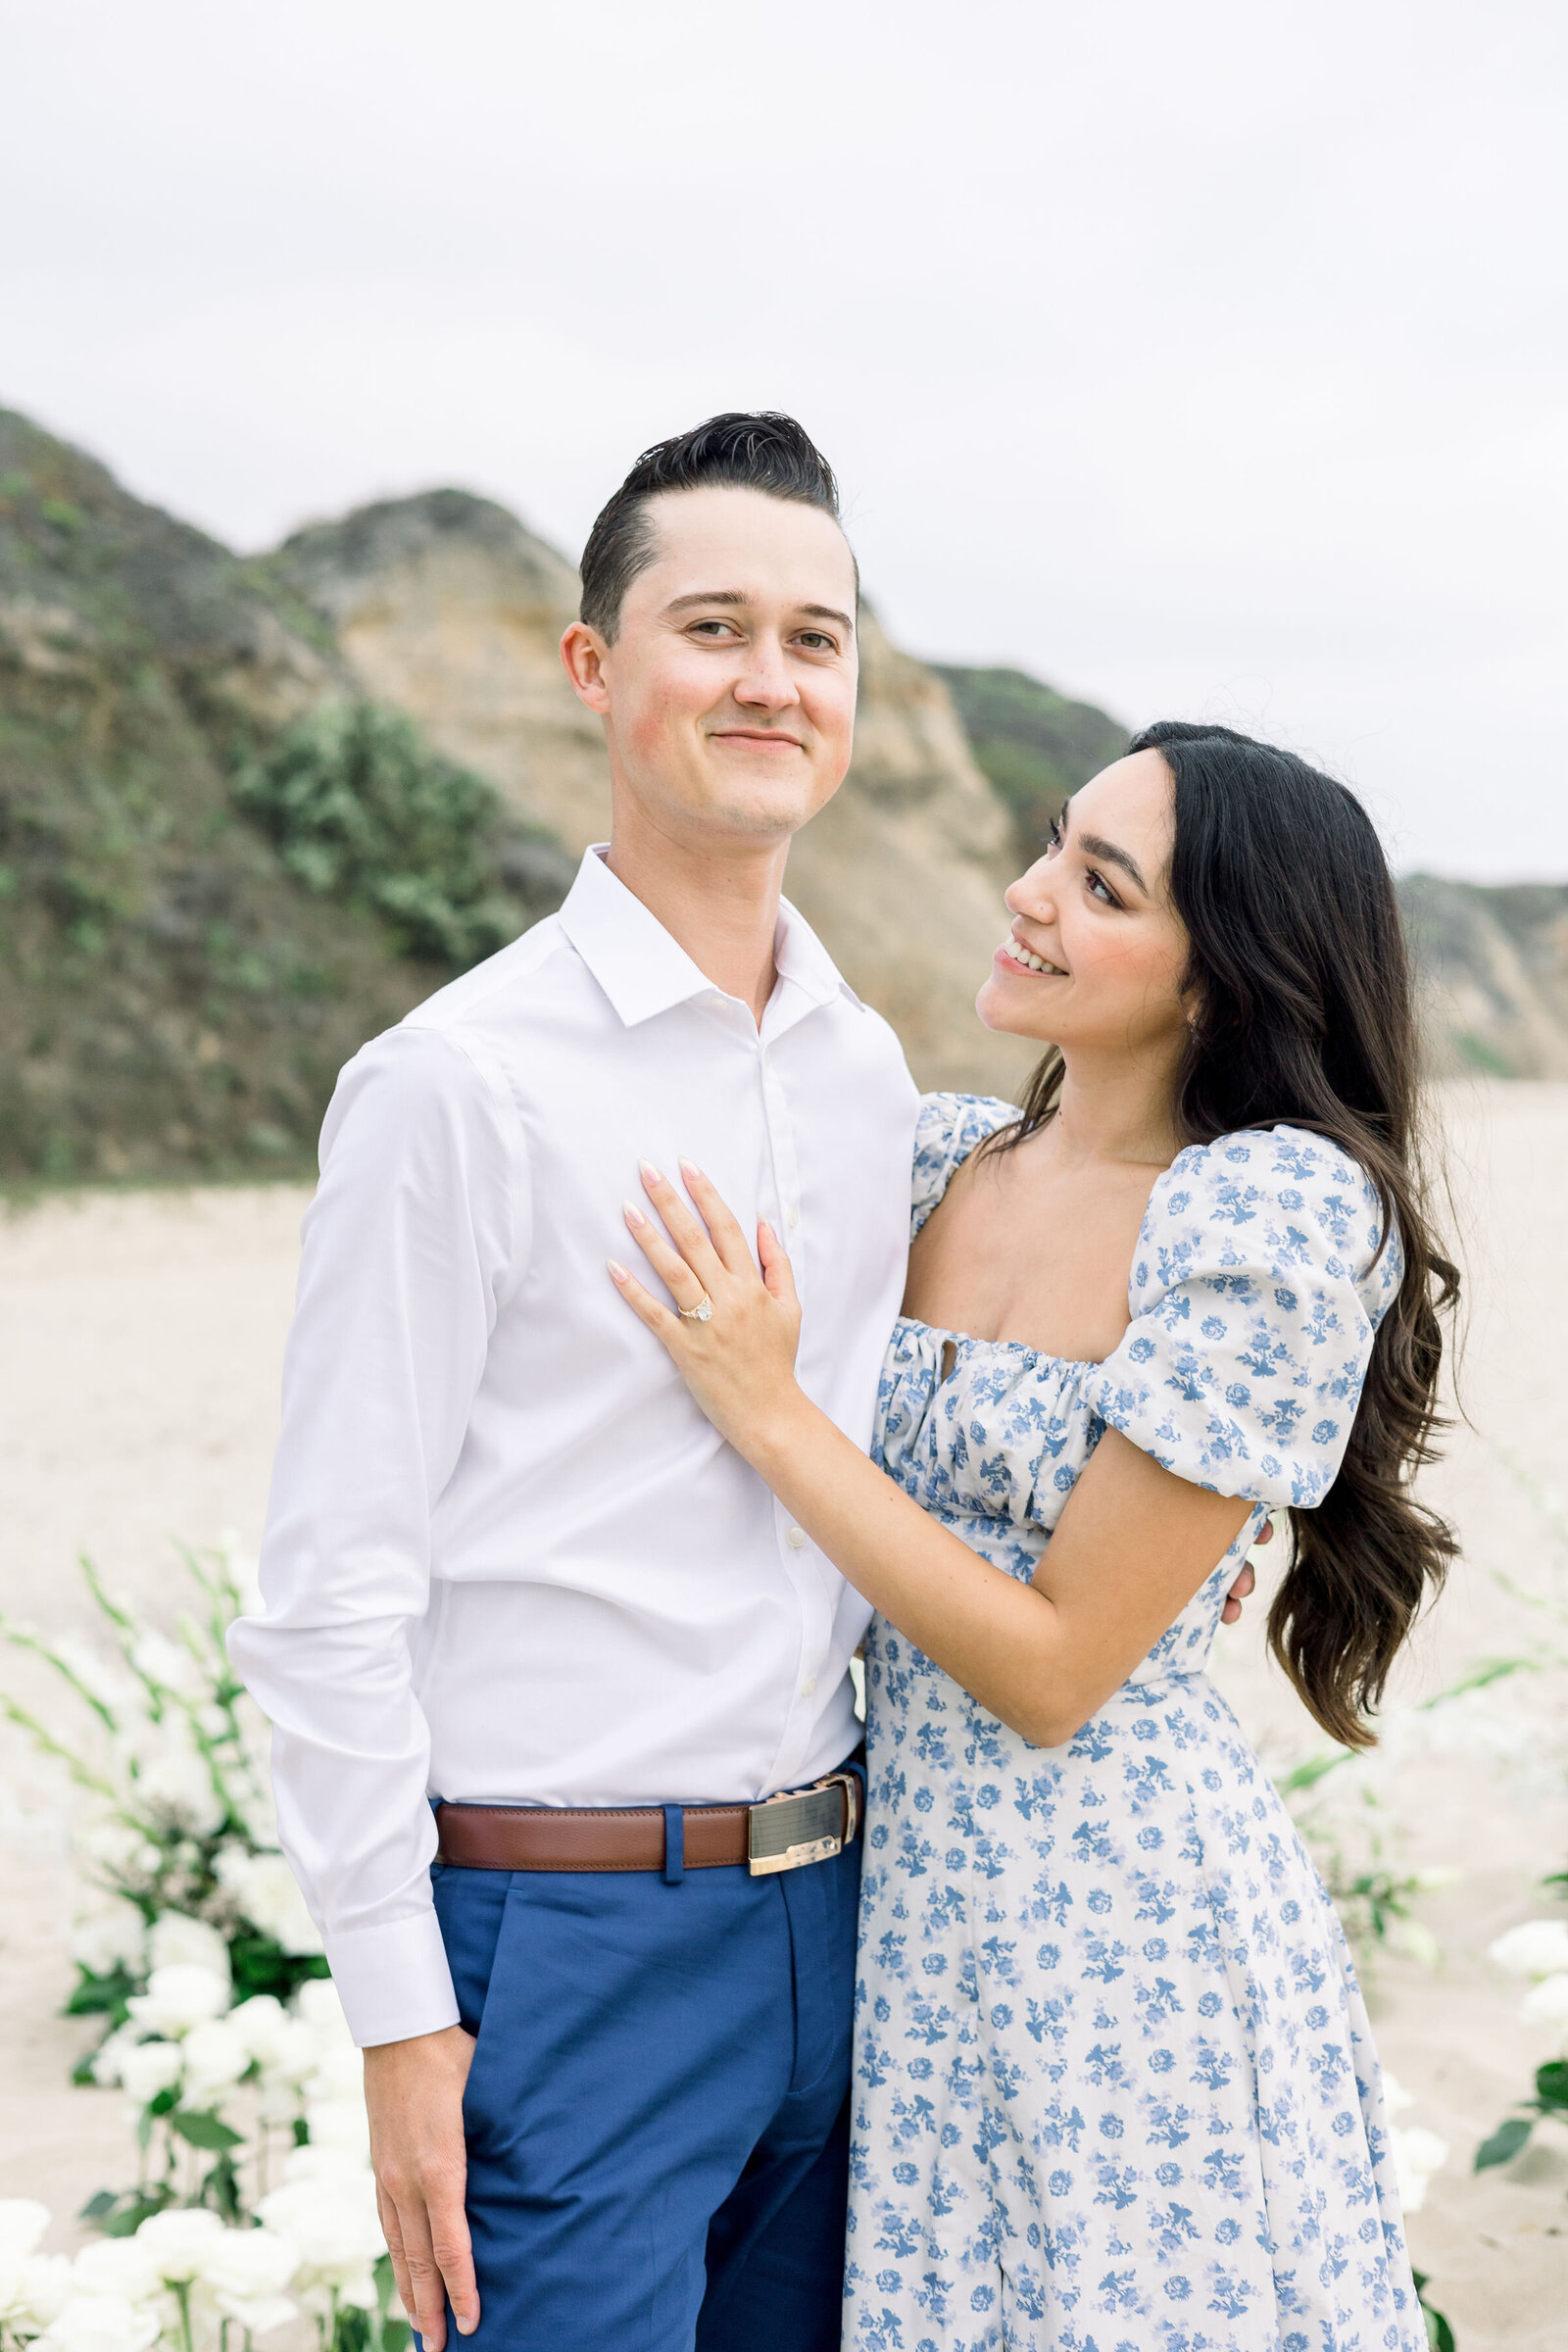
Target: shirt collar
{"x": 644, "y": 971}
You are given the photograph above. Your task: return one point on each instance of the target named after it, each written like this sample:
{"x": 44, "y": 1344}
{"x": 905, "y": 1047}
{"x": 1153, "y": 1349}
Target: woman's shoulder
{"x": 1276, "y": 1202}
{"x": 947, "y": 1128}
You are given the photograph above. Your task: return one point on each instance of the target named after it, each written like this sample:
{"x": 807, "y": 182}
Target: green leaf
{"x": 96, "y": 1996}
{"x": 1552, "y": 2086}
{"x": 205, "y": 2130}
{"x": 1505, "y": 2144}
{"x": 96, "y": 2207}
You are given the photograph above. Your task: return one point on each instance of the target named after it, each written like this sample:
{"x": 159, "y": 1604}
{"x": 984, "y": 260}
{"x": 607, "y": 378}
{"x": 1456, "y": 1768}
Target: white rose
{"x": 340, "y": 2124}
{"x": 180, "y": 1942}
{"x": 322, "y": 2163}
{"x": 296, "y": 2053}
{"x": 107, "y": 2057}
{"x": 1417, "y": 2155}
{"x": 339, "y": 2075}
{"x": 23, "y": 2222}
{"x": 1547, "y": 2003}
{"x": 258, "y": 2314}
{"x": 1396, "y": 2098}
{"x": 215, "y": 2055}
{"x": 250, "y": 2263}
{"x": 102, "y": 2324}
{"x": 317, "y": 2003}
{"x": 262, "y": 2021}
{"x": 116, "y": 2266}
{"x": 334, "y": 2222}
{"x": 113, "y": 1940}
{"x": 1536, "y": 1948}
{"x": 264, "y": 1889}
{"x": 178, "y": 1998}
{"x": 41, "y": 2290}
{"x": 179, "y": 2241}
{"x": 147, "y": 2068}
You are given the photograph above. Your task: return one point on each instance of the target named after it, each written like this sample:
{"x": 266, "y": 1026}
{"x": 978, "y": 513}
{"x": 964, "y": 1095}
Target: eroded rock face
{"x": 448, "y": 607}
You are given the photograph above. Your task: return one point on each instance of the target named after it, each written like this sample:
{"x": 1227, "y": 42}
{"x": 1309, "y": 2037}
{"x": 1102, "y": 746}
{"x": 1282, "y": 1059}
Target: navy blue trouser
{"x": 658, "y": 2108}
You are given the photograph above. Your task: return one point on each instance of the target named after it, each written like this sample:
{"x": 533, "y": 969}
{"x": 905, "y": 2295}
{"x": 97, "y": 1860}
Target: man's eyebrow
{"x": 737, "y": 597}
{"x": 1097, "y": 847}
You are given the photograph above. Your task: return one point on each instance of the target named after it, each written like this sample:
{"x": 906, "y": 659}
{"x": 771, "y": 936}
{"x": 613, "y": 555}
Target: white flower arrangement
{"x": 186, "y": 2279}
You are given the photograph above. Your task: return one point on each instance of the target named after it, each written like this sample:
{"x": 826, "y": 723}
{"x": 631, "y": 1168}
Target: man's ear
{"x": 582, "y": 655}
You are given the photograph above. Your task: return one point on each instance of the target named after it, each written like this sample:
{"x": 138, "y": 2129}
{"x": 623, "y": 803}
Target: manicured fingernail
{"x": 650, "y": 1174}
{"x": 689, "y": 1167}
{"x": 618, "y": 1272}
{"x": 632, "y": 1213}
{"x": 765, "y": 1227}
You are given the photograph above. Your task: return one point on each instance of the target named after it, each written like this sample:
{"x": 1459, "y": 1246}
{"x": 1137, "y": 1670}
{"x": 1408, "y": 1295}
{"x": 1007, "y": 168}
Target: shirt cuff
{"x": 393, "y": 1981}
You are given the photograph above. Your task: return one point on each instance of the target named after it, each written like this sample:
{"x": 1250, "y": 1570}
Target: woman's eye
{"x": 1053, "y": 839}
{"x": 1101, "y": 889}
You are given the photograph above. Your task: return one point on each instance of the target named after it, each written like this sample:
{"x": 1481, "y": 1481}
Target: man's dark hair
{"x": 760, "y": 449}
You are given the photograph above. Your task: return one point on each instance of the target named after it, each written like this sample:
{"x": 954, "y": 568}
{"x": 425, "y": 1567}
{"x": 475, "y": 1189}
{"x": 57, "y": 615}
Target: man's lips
{"x": 767, "y": 737}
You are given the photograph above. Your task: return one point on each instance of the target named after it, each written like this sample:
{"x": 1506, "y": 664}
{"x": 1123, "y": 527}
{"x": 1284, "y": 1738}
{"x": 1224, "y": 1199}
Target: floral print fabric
{"x": 1115, "y": 2087}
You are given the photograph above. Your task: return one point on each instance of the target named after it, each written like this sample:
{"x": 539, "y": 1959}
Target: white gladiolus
{"x": 181, "y": 2242}
{"x": 178, "y": 1942}
{"x": 1417, "y": 2155}
{"x": 178, "y": 1998}
{"x": 1536, "y": 1948}
{"x": 117, "y": 2266}
{"x": 1547, "y": 2003}
{"x": 168, "y": 1663}
{"x": 113, "y": 1940}
{"x": 121, "y": 1850}
{"x": 146, "y": 2068}
{"x": 178, "y": 1782}
{"x": 102, "y": 2324}
{"x": 215, "y": 2055}
{"x": 23, "y": 2222}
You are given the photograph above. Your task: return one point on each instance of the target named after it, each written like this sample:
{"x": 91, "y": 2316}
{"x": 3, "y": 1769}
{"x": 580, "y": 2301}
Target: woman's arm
{"x": 1133, "y": 1545}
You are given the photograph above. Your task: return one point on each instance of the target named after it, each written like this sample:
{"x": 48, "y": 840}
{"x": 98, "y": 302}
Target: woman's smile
{"x": 1015, "y": 955}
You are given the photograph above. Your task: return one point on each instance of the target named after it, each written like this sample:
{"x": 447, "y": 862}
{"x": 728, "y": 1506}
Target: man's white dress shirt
{"x": 507, "y": 1560}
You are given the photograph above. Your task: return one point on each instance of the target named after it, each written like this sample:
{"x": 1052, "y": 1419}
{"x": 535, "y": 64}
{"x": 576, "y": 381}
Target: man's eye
{"x": 712, "y": 628}
{"x": 816, "y": 641}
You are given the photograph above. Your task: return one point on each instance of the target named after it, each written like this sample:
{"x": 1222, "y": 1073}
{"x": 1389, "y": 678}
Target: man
{"x": 510, "y": 1571}
{"x": 508, "y": 1565}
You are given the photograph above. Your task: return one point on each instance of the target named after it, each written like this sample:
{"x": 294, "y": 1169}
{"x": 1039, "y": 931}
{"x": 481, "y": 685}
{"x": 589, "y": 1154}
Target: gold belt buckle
{"x": 803, "y": 1824}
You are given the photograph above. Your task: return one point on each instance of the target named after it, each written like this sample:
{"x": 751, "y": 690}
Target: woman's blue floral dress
{"x": 1114, "y": 2086}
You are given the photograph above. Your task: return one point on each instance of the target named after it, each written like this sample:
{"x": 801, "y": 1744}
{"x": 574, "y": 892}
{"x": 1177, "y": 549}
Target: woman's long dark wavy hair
{"x": 1304, "y": 1015}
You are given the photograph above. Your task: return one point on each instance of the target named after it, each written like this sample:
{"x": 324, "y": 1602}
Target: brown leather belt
{"x": 799, "y": 1825}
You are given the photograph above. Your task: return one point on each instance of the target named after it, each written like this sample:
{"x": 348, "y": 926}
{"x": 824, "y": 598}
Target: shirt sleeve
{"x": 1258, "y": 1283}
{"x": 418, "y": 1232}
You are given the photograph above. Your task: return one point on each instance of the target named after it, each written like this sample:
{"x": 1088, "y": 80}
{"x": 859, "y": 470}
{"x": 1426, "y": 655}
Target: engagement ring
{"x": 701, "y": 1313}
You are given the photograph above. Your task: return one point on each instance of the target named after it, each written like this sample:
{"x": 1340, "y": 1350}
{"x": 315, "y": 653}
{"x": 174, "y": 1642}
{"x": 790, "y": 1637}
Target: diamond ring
{"x": 701, "y": 1313}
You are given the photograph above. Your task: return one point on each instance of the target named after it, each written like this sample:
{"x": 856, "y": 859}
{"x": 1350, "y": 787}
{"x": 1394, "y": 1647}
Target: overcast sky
{"x": 1205, "y": 361}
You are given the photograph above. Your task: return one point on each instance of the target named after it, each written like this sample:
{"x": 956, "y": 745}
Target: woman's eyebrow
{"x": 1097, "y": 847}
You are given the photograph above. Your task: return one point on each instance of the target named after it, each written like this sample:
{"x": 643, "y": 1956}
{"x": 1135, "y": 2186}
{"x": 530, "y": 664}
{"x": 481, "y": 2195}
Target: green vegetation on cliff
{"x": 175, "y": 998}
{"x": 1034, "y": 745}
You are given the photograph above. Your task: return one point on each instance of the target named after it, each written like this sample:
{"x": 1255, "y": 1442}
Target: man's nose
{"x": 765, "y": 683}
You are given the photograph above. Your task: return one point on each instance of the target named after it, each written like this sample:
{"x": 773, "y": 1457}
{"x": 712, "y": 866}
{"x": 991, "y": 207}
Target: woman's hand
{"x": 740, "y": 1362}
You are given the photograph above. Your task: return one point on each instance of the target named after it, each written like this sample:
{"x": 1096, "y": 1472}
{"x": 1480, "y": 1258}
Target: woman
{"x": 1114, "y": 2086}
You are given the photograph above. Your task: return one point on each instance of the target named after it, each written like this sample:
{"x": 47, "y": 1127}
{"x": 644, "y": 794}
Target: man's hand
{"x": 413, "y": 2091}
{"x": 1247, "y": 1583}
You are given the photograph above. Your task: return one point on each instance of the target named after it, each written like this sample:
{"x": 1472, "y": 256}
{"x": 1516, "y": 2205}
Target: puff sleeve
{"x": 1257, "y": 1286}
{"x": 947, "y": 1128}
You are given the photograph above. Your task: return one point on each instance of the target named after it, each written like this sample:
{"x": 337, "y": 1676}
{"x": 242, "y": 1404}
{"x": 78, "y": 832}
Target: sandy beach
{"x": 140, "y": 1344}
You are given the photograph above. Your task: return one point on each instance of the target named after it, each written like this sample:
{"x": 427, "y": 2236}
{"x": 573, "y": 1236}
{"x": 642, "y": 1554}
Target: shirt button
{"x": 795, "y": 1537}
{"x": 792, "y": 1214}
{"x": 768, "y": 1058}
{"x": 716, "y": 1004}
{"x": 808, "y": 1686}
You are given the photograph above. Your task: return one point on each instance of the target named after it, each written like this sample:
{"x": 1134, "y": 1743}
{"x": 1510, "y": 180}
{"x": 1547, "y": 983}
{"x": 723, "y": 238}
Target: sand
{"x": 140, "y": 1341}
